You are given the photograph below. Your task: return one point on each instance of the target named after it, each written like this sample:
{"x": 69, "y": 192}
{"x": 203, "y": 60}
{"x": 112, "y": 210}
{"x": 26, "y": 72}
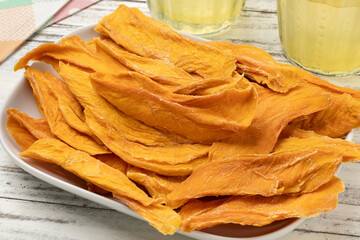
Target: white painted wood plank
{"x": 311, "y": 235}
{"x": 343, "y": 220}
{"x": 73, "y": 222}
{"x": 54, "y": 221}
{"x": 17, "y": 184}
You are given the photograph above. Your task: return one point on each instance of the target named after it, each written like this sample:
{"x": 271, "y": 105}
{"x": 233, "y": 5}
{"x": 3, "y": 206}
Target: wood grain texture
{"x": 33, "y": 209}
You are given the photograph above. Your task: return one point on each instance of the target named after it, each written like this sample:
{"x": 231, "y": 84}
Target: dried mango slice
{"x": 163, "y": 218}
{"x": 131, "y": 129}
{"x": 273, "y": 113}
{"x": 215, "y": 85}
{"x": 198, "y": 118}
{"x": 73, "y": 40}
{"x": 258, "y": 65}
{"x": 49, "y": 108}
{"x": 311, "y": 79}
{"x": 286, "y": 172}
{"x": 257, "y": 210}
{"x": 86, "y": 167}
{"x": 64, "y": 94}
{"x": 201, "y": 87}
{"x": 70, "y": 53}
{"x": 38, "y": 128}
{"x": 21, "y": 135}
{"x": 147, "y": 37}
{"x": 113, "y": 161}
{"x": 158, "y": 186}
{"x": 294, "y": 138}
{"x": 112, "y": 63}
{"x": 75, "y": 122}
{"x": 100, "y": 111}
{"x": 159, "y": 70}
{"x": 173, "y": 161}
{"x": 336, "y": 120}
{"x": 166, "y": 73}
{"x": 69, "y": 106}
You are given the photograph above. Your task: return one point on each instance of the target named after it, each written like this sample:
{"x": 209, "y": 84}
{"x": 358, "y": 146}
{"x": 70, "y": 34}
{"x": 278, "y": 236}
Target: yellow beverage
{"x": 198, "y": 17}
{"x": 321, "y": 35}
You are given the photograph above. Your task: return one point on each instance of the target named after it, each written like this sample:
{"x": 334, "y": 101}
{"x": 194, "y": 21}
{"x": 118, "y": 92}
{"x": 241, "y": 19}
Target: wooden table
{"x": 33, "y": 209}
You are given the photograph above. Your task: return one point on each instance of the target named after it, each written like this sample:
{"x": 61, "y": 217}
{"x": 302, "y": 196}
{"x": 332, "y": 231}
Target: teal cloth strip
{"x": 14, "y": 3}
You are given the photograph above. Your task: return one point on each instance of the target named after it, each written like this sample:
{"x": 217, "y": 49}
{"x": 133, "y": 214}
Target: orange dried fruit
{"x": 49, "y": 107}
{"x": 274, "y": 112}
{"x": 286, "y": 172}
{"x": 259, "y": 66}
{"x": 21, "y": 135}
{"x": 130, "y": 28}
{"x": 75, "y": 53}
{"x": 258, "y": 210}
{"x": 157, "y": 69}
{"x": 169, "y": 161}
{"x": 334, "y": 121}
{"x": 86, "y": 167}
{"x": 131, "y": 129}
{"x": 39, "y": 128}
{"x": 198, "y": 118}
{"x": 161, "y": 217}
{"x": 295, "y": 138}
{"x": 157, "y": 186}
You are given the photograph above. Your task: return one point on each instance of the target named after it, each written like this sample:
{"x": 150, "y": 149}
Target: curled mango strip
{"x": 199, "y": 118}
{"x": 166, "y": 73}
{"x": 158, "y": 186}
{"x": 113, "y": 161}
{"x": 258, "y": 65}
{"x": 274, "y": 112}
{"x": 64, "y": 94}
{"x": 69, "y": 106}
{"x": 130, "y": 28}
{"x": 336, "y": 120}
{"x": 287, "y": 172}
{"x": 168, "y": 161}
{"x": 39, "y": 128}
{"x": 123, "y": 134}
{"x": 163, "y": 218}
{"x": 296, "y": 139}
{"x": 159, "y": 70}
{"x": 49, "y": 107}
{"x": 86, "y": 167}
{"x": 257, "y": 210}
{"x": 201, "y": 87}
{"x": 133, "y": 130}
{"x": 75, "y": 53}
{"x": 21, "y": 135}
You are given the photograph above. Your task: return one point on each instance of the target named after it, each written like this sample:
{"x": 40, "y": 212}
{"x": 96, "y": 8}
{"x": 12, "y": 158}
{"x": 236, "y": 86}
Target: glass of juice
{"x": 199, "y": 17}
{"x": 322, "y": 36}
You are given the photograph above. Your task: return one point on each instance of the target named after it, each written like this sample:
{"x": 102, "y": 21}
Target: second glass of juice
{"x": 199, "y": 17}
{"x": 322, "y": 36}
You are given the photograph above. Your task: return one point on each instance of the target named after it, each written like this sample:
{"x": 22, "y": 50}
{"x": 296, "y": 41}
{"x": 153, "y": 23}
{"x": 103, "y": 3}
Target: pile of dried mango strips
{"x": 188, "y": 134}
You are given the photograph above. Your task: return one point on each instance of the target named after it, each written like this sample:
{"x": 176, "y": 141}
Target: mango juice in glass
{"x": 199, "y": 17}
{"x": 322, "y": 36}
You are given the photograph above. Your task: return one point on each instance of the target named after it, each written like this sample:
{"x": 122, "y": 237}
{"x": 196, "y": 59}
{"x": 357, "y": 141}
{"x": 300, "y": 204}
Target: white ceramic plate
{"x": 21, "y": 98}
